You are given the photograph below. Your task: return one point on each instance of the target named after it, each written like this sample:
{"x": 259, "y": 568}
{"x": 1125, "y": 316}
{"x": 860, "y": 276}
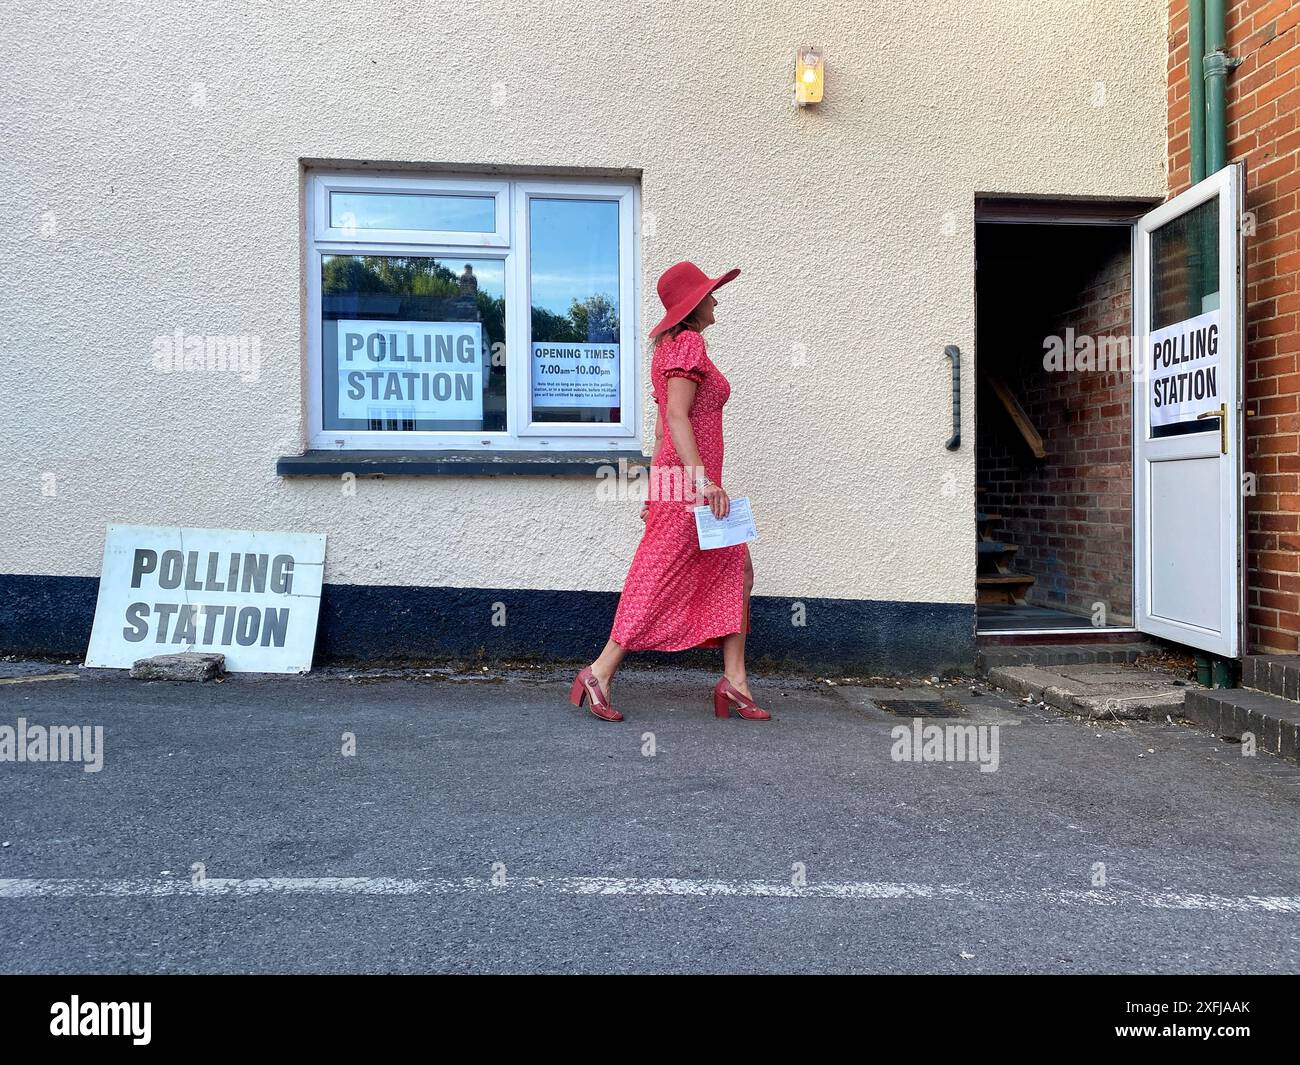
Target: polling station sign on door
{"x": 1183, "y": 379}
{"x": 252, "y": 596}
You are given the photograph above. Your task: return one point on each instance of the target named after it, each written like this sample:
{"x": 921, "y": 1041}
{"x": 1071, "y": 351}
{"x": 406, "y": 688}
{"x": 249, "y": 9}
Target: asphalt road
{"x": 484, "y": 825}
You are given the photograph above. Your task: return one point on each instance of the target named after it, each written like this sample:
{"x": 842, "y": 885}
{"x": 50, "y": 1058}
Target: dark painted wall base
{"x": 51, "y": 616}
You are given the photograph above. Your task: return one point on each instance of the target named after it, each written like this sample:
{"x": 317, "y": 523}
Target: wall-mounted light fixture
{"x": 809, "y": 75}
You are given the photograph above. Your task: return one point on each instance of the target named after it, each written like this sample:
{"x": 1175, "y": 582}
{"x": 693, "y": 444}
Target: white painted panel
{"x": 1186, "y": 535}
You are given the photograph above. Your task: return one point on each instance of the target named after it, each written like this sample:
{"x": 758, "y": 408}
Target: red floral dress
{"x": 677, "y": 596}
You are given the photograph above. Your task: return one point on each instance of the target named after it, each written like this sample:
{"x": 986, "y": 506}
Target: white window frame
{"x": 628, "y": 271}
{"x": 324, "y": 184}
{"x": 521, "y": 433}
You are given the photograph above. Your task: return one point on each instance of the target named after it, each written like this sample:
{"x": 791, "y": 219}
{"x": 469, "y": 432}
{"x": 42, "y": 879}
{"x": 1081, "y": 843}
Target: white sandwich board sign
{"x": 252, "y": 596}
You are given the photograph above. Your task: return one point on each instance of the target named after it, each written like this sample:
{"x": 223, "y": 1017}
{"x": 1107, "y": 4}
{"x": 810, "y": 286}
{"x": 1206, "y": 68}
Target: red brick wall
{"x": 1263, "y": 109}
{"x": 1069, "y": 513}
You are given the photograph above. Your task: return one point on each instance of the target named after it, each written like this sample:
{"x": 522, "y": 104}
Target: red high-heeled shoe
{"x": 724, "y": 695}
{"x": 586, "y": 686}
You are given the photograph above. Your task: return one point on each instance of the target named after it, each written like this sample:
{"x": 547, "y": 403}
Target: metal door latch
{"x": 1222, "y": 415}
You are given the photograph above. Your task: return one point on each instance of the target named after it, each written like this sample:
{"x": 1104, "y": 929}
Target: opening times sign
{"x": 1183, "y": 370}
{"x": 575, "y": 375}
{"x": 431, "y": 371}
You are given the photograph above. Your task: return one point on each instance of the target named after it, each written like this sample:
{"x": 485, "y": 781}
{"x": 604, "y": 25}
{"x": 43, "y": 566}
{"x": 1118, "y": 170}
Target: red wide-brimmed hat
{"x": 681, "y": 287}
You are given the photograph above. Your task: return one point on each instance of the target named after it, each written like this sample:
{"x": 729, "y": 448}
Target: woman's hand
{"x": 718, "y": 500}
{"x": 645, "y": 509}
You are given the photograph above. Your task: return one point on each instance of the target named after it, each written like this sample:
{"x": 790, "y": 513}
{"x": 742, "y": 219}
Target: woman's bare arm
{"x": 681, "y": 394}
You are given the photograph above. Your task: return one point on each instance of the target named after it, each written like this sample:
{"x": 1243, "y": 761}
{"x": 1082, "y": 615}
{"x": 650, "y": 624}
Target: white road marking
{"x": 216, "y": 887}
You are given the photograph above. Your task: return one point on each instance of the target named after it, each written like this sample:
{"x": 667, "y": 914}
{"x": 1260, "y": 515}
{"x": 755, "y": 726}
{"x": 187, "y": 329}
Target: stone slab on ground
{"x": 199, "y": 667}
{"x": 1098, "y": 690}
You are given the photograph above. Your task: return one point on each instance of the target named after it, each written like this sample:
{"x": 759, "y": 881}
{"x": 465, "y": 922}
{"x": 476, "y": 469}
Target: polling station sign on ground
{"x": 431, "y": 371}
{"x": 575, "y": 375}
{"x": 252, "y": 596}
{"x": 1183, "y": 367}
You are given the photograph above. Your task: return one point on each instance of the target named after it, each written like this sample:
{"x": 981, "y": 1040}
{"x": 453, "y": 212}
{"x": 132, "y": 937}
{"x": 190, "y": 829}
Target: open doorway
{"x": 1054, "y": 473}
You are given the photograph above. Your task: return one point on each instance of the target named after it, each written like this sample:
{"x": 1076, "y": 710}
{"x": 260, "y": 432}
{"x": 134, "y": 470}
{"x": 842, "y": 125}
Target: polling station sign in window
{"x": 1183, "y": 370}
{"x": 252, "y": 596}
{"x": 434, "y": 371}
{"x": 412, "y": 343}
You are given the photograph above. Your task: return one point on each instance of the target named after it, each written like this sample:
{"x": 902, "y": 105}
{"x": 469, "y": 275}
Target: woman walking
{"x": 677, "y": 596}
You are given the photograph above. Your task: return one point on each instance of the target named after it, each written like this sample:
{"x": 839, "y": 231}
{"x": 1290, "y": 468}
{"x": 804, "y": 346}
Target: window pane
{"x": 573, "y": 280}
{"x": 407, "y": 343}
{"x": 1185, "y": 266}
{"x": 416, "y": 211}
{"x": 1185, "y": 284}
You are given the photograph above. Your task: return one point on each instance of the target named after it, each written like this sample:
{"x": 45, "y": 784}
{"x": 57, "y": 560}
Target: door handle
{"x": 954, "y": 441}
{"x": 1222, "y": 415}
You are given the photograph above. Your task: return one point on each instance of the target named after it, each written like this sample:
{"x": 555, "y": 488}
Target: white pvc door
{"x": 1188, "y": 313}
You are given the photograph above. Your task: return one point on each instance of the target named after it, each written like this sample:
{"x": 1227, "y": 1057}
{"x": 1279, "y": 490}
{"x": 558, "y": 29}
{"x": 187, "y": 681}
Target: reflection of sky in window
{"x": 368, "y": 210}
{"x": 574, "y": 251}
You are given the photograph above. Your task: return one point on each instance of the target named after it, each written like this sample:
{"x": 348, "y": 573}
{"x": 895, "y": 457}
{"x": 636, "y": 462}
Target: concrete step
{"x": 1276, "y": 674}
{"x": 1047, "y": 654}
{"x": 1101, "y": 690}
{"x": 1273, "y": 720}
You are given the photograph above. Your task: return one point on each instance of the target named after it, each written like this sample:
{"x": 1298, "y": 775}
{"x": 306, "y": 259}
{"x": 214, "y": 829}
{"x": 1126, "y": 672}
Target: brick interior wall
{"x": 1069, "y": 513}
{"x": 1263, "y": 107}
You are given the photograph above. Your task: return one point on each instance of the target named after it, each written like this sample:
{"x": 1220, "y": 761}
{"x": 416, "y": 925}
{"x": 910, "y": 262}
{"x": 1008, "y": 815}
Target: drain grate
{"x": 920, "y": 707}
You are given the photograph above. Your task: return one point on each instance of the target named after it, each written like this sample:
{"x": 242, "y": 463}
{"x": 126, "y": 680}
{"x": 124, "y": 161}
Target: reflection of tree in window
{"x": 590, "y": 321}
{"x": 415, "y": 289}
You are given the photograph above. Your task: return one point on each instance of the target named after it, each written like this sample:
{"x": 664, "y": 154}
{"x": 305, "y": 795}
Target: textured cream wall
{"x": 151, "y": 182}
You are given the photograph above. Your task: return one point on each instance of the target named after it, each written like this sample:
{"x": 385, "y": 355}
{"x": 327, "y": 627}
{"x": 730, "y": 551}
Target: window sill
{"x": 452, "y": 463}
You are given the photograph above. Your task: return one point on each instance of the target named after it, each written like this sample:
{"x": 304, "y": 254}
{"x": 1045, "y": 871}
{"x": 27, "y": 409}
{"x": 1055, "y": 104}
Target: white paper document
{"x": 736, "y": 528}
